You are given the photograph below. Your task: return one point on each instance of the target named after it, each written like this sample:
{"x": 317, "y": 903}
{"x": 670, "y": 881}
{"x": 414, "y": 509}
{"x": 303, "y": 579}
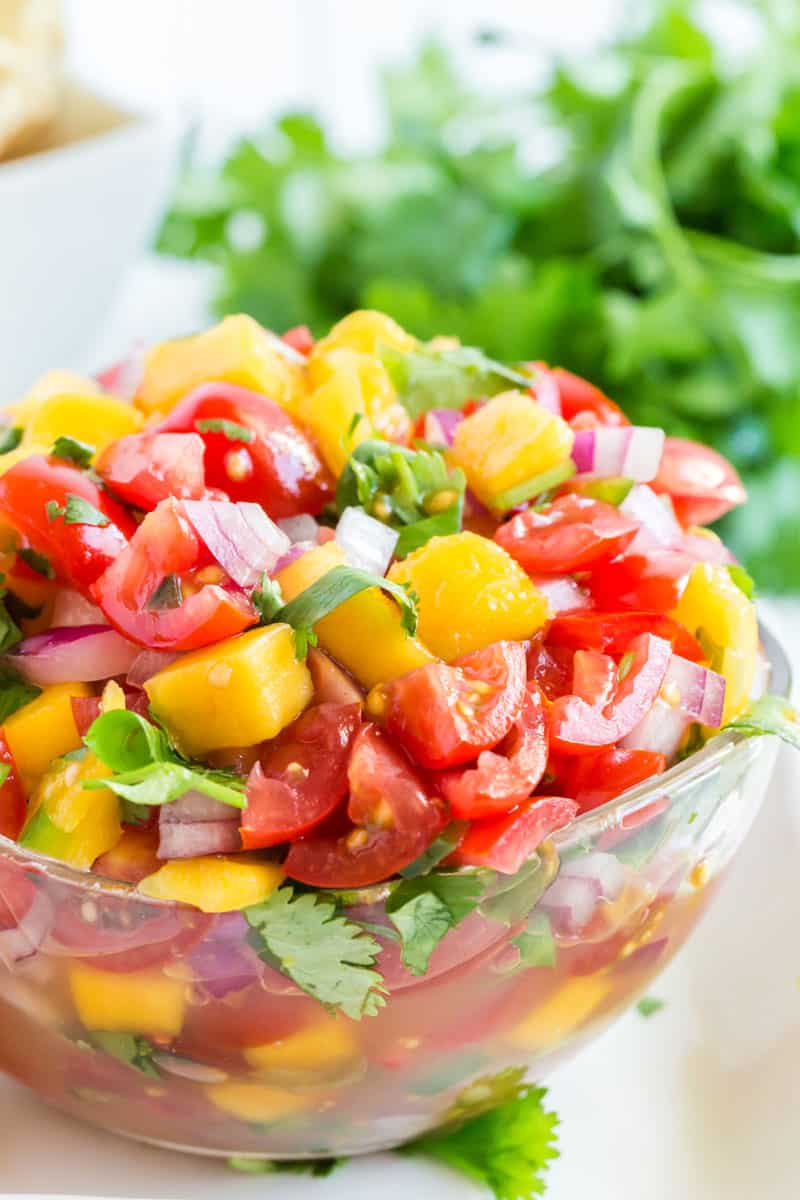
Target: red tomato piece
{"x": 13, "y": 807}
{"x": 613, "y": 632}
{"x": 593, "y": 676}
{"x": 578, "y": 396}
{"x": 302, "y": 777}
{"x": 116, "y": 941}
{"x": 134, "y": 857}
{"x": 273, "y": 463}
{"x": 597, "y": 778}
{"x": 504, "y": 843}
{"x": 447, "y": 714}
{"x": 166, "y": 544}
{"x": 216, "y": 1031}
{"x": 702, "y": 484}
{"x": 571, "y": 534}
{"x": 504, "y": 777}
{"x": 580, "y": 728}
{"x": 300, "y": 338}
{"x": 394, "y": 818}
{"x": 144, "y": 468}
{"x": 652, "y": 580}
{"x": 78, "y": 553}
{"x": 550, "y": 668}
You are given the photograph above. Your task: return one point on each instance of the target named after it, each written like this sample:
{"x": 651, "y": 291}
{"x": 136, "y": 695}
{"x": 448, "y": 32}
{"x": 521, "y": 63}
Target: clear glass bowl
{"x": 162, "y": 1024}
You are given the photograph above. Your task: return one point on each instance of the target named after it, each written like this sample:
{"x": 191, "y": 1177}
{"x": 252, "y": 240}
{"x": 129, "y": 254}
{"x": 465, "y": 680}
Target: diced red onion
{"x": 653, "y": 514}
{"x": 661, "y": 730}
{"x": 186, "y": 1068}
{"x": 367, "y": 543}
{"x": 563, "y": 594}
{"x": 545, "y": 389}
{"x": 26, "y": 937}
{"x": 74, "y": 654}
{"x": 698, "y": 691}
{"x": 193, "y": 807}
{"x": 570, "y": 904}
{"x": 241, "y": 537}
{"x": 123, "y": 378}
{"x": 302, "y": 528}
{"x": 473, "y": 506}
{"x": 292, "y": 554}
{"x": 440, "y": 426}
{"x": 191, "y": 840}
{"x": 71, "y": 608}
{"x": 605, "y": 871}
{"x": 633, "y": 451}
{"x": 147, "y": 664}
{"x": 707, "y": 549}
{"x": 223, "y": 966}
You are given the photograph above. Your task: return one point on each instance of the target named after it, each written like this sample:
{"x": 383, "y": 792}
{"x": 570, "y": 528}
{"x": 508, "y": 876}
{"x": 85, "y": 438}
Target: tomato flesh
{"x": 612, "y": 632}
{"x": 117, "y": 942}
{"x": 447, "y": 714}
{"x": 579, "y": 397}
{"x": 571, "y": 534}
{"x": 504, "y": 843}
{"x": 145, "y": 468}
{"x": 302, "y": 777}
{"x": 13, "y": 807}
{"x": 702, "y": 483}
{"x": 653, "y": 580}
{"x": 597, "y": 778}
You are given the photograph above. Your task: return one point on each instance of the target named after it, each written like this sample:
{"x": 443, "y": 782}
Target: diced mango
{"x": 319, "y": 1052}
{"x": 145, "y": 1002}
{"x": 53, "y": 383}
{"x": 237, "y": 350}
{"x": 335, "y": 416}
{"x": 61, "y": 793}
{"x": 69, "y": 822}
{"x": 471, "y": 593}
{"x": 238, "y": 692}
{"x": 43, "y": 730}
{"x": 365, "y": 633}
{"x": 97, "y": 419}
{"x": 365, "y": 330}
{"x": 724, "y": 621}
{"x": 561, "y": 1014}
{"x": 256, "y": 1102}
{"x": 386, "y": 414}
{"x": 507, "y": 442}
{"x": 214, "y": 885}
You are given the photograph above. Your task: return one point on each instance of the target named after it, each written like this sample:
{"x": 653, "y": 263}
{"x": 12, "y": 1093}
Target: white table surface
{"x": 699, "y": 1102}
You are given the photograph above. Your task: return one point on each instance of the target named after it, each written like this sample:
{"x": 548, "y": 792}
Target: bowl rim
{"x": 705, "y": 761}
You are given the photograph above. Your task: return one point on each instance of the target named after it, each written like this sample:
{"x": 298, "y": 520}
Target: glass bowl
{"x": 160, "y": 1023}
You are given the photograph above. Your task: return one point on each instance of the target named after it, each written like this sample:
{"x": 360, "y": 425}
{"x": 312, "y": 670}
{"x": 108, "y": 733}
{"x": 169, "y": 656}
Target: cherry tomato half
{"x": 117, "y": 941}
{"x": 256, "y": 453}
{"x": 651, "y": 580}
{"x": 12, "y": 798}
{"x": 579, "y": 397}
{"x": 144, "y": 468}
{"x": 300, "y": 338}
{"x": 447, "y": 714}
{"x": 613, "y": 632}
{"x": 78, "y": 552}
{"x": 302, "y": 777}
{"x": 504, "y": 777}
{"x": 504, "y": 843}
{"x": 165, "y": 544}
{"x": 597, "y": 778}
{"x": 393, "y": 819}
{"x": 571, "y": 534}
{"x": 594, "y": 676}
{"x": 703, "y": 485}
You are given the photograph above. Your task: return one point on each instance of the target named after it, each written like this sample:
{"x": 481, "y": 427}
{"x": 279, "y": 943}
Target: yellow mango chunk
{"x": 387, "y": 416}
{"x": 507, "y": 442}
{"x": 97, "y": 419}
{"x": 237, "y": 350}
{"x": 319, "y": 1052}
{"x": 43, "y": 730}
{"x": 471, "y": 593}
{"x": 365, "y": 633}
{"x": 214, "y": 884}
{"x": 365, "y": 330}
{"x": 61, "y": 793}
{"x": 724, "y": 621}
{"x": 237, "y": 692}
{"x": 146, "y": 1002}
{"x": 335, "y": 416}
{"x": 97, "y": 834}
{"x": 561, "y": 1013}
{"x": 53, "y": 383}
{"x": 255, "y": 1101}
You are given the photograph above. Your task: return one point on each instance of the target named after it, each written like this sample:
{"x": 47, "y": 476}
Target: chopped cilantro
{"x": 74, "y": 451}
{"x": 37, "y": 562}
{"x": 427, "y": 377}
{"x": 424, "y": 909}
{"x": 77, "y": 511}
{"x": 10, "y": 437}
{"x": 742, "y": 579}
{"x": 129, "y": 1048}
{"x": 536, "y": 945}
{"x": 439, "y": 848}
{"x": 267, "y": 598}
{"x": 15, "y": 692}
{"x": 9, "y": 631}
{"x": 232, "y": 431}
{"x": 648, "y": 1006}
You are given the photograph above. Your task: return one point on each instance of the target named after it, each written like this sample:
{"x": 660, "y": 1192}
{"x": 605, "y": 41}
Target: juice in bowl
{"x": 377, "y": 721}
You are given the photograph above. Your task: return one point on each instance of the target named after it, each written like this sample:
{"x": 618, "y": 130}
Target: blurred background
{"x": 612, "y": 187}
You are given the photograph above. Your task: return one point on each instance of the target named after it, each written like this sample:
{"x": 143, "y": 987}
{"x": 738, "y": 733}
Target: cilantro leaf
{"x": 267, "y": 598}
{"x": 536, "y": 944}
{"x": 648, "y": 1006}
{"x": 10, "y": 633}
{"x": 507, "y": 1149}
{"x": 770, "y": 715}
{"x": 329, "y": 957}
{"x": 428, "y": 377}
{"x": 37, "y": 562}
{"x": 76, "y": 511}
{"x": 439, "y": 848}
{"x": 334, "y": 588}
{"x": 15, "y": 692}
{"x": 232, "y": 431}
{"x": 128, "y": 1048}
{"x": 74, "y": 451}
{"x": 427, "y": 907}
{"x": 10, "y": 437}
{"x": 742, "y": 579}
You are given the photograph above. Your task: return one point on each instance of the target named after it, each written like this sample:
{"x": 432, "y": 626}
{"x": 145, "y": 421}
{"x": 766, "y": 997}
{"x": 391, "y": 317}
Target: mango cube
{"x": 214, "y": 885}
{"x": 43, "y": 730}
{"x": 319, "y": 1052}
{"x": 238, "y": 350}
{"x": 145, "y": 1002}
{"x": 365, "y": 634}
{"x": 471, "y": 593}
{"x": 256, "y": 1103}
{"x": 365, "y": 330}
{"x": 562, "y": 1013}
{"x": 387, "y": 416}
{"x": 238, "y": 692}
{"x": 56, "y": 382}
{"x": 507, "y": 442}
{"x": 93, "y": 418}
{"x": 335, "y": 416}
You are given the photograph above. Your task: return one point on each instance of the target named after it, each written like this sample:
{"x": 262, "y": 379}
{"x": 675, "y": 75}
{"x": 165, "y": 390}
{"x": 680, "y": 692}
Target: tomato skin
{"x": 393, "y": 819}
{"x": 503, "y": 843}
{"x": 165, "y": 544}
{"x": 13, "y": 807}
{"x": 300, "y": 338}
{"x": 144, "y": 468}
{"x": 578, "y": 396}
{"x": 550, "y": 668}
{"x": 79, "y": 554}
{"x": 703, "y": 485}
{"x": 86, "y": 709}
{"x": 302, "y": 777}
{"x": 571, "y": 534}
{"x": 597, "y": 778}
{"x": 653, "y": 581}
{"x": 123, "y": 947}
{"x": 506, "y": 777}
{"x": 279, "y": 468}
{"x": 580, "y": 728}
{"x": 594, "y": 676}
{"x": 613, "y": 632}
{"x": 442, "y": 718}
